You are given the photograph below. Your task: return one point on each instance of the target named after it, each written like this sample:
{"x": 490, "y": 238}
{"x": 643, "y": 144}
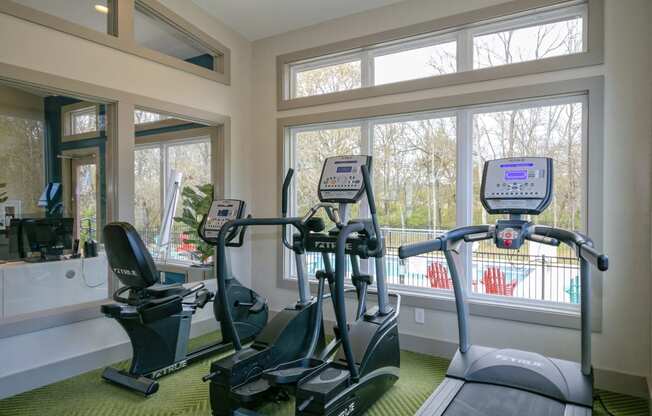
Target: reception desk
{"x": 31, "y": 287}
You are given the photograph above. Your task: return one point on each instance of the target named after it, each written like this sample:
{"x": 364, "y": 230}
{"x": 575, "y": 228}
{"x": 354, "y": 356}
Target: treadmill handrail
{"x": 221, "y": 265}
{"x": 582, "y": 244}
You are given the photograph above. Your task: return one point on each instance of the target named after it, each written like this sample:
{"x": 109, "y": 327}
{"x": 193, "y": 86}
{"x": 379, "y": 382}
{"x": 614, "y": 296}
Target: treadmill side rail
{"x": 438, "y": 402}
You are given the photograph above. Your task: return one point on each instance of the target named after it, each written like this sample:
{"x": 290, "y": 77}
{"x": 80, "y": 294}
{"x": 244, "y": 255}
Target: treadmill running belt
{"x": 475, "y": 399}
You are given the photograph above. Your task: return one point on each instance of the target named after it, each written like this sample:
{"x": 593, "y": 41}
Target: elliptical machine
{"x": 363, "y": 360}
{"x": 497, "y": 382}
{"x": 368, "y": 362}
{"x": 157, "y": 317}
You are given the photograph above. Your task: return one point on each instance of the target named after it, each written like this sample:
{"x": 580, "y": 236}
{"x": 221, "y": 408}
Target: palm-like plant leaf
{"x": 196, "y": 202}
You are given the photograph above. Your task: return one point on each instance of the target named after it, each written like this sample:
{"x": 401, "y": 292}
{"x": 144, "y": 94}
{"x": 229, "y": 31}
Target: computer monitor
{"x": 49, "y": 236}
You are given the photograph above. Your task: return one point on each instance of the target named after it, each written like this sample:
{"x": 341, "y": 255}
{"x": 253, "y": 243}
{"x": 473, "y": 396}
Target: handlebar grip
{"x": 367, "y": 185}
{"x": 286, "y": 188}
{"x": 415, "y": 249}
{"x": 601, "y": 261}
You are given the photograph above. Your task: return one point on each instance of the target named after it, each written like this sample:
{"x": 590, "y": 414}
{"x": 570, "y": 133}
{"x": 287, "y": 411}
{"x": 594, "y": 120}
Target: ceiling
{"x": 257, "y": 19}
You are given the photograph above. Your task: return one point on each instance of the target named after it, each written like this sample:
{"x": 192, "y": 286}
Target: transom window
{"x": 537, "y": 35}
{"x": 420, "y": 193}
{"x": 146, "y": 117}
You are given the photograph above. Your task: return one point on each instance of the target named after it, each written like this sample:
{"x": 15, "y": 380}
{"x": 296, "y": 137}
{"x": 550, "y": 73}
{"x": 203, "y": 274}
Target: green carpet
{"x": 184, "y": 394}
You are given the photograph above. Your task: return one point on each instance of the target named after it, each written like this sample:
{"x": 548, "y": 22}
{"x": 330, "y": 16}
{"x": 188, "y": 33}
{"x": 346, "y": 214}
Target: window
{"x": 92, "y": 14}
{"x": 81, "y": 121}
{"x": 22, "y": 176}
{"x": 326, "y": 78}
{"x": 85, "y": 200}
{"x": 412, "y": 62}
{"x": 528, "y": 39}
{"x": 416, "y": 160}
{"x": 154, "y": 31}
{"x": 529, "y": 35}
{"x": 156, "y": 166}
{"x": 146, "y": 117}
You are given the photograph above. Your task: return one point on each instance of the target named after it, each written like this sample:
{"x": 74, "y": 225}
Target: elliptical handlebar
{"x": 284, "y": 205}
{"x": 372, "y": 209}
{"x": 338, "y": 302}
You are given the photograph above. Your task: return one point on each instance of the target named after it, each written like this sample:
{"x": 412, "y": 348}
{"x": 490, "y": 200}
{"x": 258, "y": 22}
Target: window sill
{"x": 537, "y": 313}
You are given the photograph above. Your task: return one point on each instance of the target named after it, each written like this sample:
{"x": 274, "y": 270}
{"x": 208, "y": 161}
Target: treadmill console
{"x": 520, "y": 185}
{"x": 221, "y": 212}
{"x": 341, "y": 179}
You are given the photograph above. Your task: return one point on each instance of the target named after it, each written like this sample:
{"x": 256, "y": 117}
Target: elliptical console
{"x": 248, "y": 309}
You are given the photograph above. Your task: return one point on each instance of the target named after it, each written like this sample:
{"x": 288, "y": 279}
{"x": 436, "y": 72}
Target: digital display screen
{"x": 517, "y": 165}
{"x": 344, "y": 169}
{"x": 516, "y": 175}
{"x": 223, "y": 213}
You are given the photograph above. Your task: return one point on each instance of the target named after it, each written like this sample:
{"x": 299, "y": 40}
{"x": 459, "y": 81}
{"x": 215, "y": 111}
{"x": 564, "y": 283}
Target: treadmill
{"x": 509, "y": 382}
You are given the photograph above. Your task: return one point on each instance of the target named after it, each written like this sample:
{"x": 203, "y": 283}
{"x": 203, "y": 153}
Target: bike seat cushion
{"x": 161, "y": 291}
{"x": 157, "y": 309}
{"x": 128, "y": 256}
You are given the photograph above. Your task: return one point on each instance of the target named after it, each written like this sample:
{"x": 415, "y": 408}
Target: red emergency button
{"x": 507, "y": 243}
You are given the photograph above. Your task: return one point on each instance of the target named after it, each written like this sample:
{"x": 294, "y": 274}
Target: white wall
{"x": 624, "y": 344}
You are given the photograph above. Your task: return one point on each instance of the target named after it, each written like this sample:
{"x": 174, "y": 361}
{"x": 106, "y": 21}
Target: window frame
{"x": 586, "y": 90}
{"x": 163, "y": 142}
{"x": 462, "y": 27}
{"x": 67, "y": 114}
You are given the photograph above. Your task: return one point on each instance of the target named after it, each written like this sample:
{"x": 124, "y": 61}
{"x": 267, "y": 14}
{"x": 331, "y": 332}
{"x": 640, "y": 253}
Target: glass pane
{"x": 536, "y": 271}
{"x": 83, "y": 121}
{"x": 37, "y": 229}
{"x": 193, "y": 160}
{"x": 324, "y": 80}
{"x": 414, "y": 181}
{"x": 416, "y": 63}
{"x": 22, "y": 176}
{"x": 93, "y": 14}
{"x": 147, "y": 183}
{"x": 311, "y": 149}
{"x": 87, "y": 202}
{"x": 153, "y": 33}
{"x": 528, "y": 43}
{"x": 144, "y": 117}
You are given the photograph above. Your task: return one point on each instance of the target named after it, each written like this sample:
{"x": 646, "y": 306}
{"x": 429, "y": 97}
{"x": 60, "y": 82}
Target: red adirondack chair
{"x": 495, "y": 282}
{"x": 438, "y": 276}
{"x": 185, "y": 246}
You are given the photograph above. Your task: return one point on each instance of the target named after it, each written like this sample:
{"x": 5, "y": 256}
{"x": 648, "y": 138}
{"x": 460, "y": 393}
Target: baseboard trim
{"x": 33, "y": 378}
{"x": 614, "y": 381}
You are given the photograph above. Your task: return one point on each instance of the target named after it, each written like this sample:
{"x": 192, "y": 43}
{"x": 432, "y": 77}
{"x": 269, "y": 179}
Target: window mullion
{"x": 464, "y": 193}
{"x": 464, "y": 50}
{"x": 367, "y": 75}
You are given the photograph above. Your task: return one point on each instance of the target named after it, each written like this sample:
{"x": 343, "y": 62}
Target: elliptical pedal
{"x": 252, "y": 391}
{"x": 293, "y": 371}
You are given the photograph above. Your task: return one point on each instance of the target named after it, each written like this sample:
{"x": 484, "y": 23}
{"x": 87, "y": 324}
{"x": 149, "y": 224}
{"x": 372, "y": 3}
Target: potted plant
{"x": 196, "y": 201}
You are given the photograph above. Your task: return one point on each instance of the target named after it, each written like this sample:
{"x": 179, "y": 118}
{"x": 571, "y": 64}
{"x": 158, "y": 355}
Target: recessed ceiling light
{"x": 102, "y": 9}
